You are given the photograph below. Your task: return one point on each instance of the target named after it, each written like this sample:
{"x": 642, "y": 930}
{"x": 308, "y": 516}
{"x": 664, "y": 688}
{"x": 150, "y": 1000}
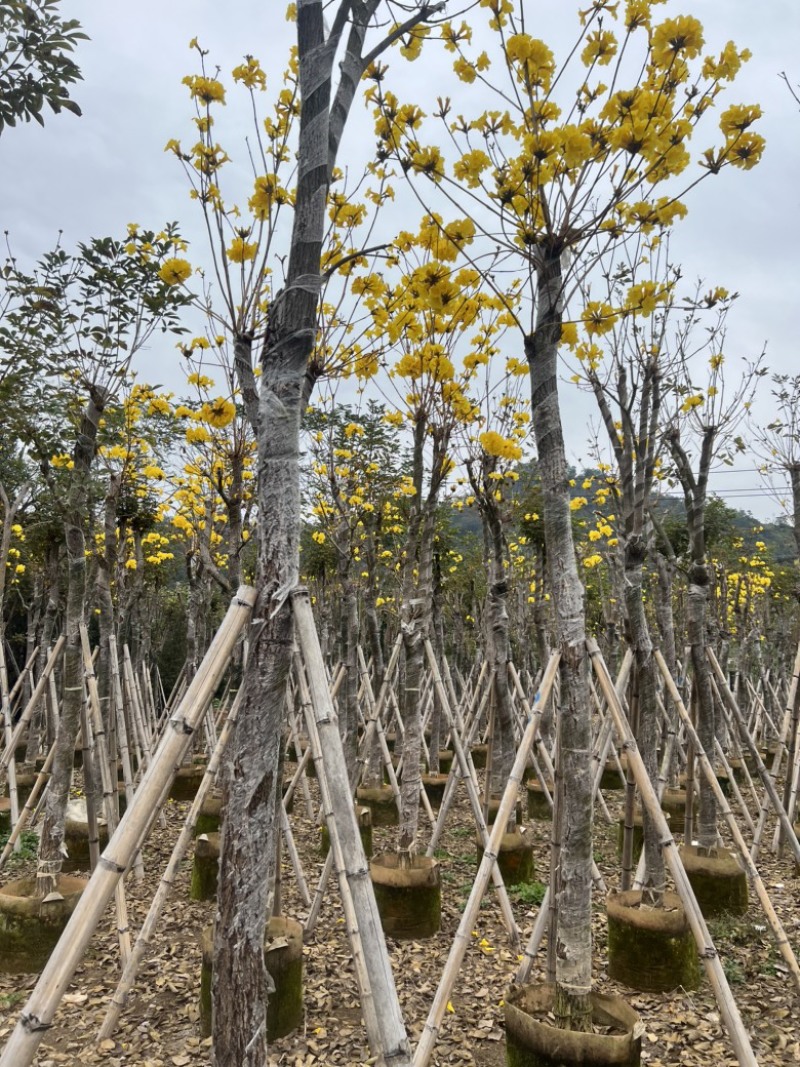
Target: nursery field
{"x": 161, "y": 1025}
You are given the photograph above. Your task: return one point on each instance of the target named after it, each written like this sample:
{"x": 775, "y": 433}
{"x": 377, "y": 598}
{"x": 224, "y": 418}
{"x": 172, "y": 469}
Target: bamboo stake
{"x": 708, "y": 953}
{"x": 25, "y": 717}
{"x": 5, "y": 710}
{"x": 781, "y": 939}
{"x": 470, "y": 777}
{"x": 766, "y": 777}
{"x": 597, "y": 877}
{"x": 96, "y": 731}
{"x": 376, "y": 725}
{"x": 720, "y": 753}
{"x": 122, "y": 737}
{"x": 780, "y": 751}
{"x": 310, "y": 925}
{"x": 465, "y": 771}
{"x": 26, "y": 670}
{"x": 126, "y": 982}
{"x": 30, "y": 804}
{"x": 294, "y": 856}
{"x": 89, "y": 787}
{"x": 375, "y": 720}
{"x": 792, "y": 769}
{"x": 458, "y": 949}
{"x": 338, "y": 863}
{"x": 139, "y": 728}
{"x": 391, "y": 1038}
{"x": 38, "y": 1013}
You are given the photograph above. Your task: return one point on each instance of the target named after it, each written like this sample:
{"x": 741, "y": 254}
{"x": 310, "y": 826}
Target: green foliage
{"x": 530, "y": 893}
{"x": 28, "y": 847}
{"x": 36, "y": 65}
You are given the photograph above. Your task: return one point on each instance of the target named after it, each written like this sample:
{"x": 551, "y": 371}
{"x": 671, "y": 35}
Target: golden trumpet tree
{"x": 549, "y": 156}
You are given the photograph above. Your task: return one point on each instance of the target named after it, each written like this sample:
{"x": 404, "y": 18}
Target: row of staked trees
{"x": 360, "y": 388}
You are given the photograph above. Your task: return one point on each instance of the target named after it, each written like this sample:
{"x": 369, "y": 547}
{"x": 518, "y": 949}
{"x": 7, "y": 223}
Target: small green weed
{"x": 532, "y": 893}
{"x": 733, "y": 972}
{"x": 28, "y": 847}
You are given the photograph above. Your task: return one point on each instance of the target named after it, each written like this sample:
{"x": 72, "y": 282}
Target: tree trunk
{"x": 51, "y": 842}
{"x": 414, "y": 648}
{"x": 39, "y": 720}
{"x": 248, "y": 835}
{"x": 503, "y": 747}
{"x": 574, "y": 938}
{"x": 696, "y": 629}
{"x": 648, "y": 726}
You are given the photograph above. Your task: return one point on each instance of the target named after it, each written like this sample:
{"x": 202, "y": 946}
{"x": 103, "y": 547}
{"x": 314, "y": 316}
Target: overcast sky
{"x": 91, "y": 176}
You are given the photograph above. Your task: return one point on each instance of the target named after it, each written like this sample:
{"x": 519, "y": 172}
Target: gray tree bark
{"x": 574, "y": 936}
{"x": 275, "y": 411}
{"x": 694, "y": 491}
{"x": 51, "y": 842}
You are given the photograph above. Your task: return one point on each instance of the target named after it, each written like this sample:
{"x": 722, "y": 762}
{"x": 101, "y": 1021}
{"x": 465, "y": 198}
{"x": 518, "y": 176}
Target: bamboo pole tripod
{"x": 37, "y": 1015}
{"x": 385, "y": 1025}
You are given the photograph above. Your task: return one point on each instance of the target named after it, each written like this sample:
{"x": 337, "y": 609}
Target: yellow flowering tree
{"x": 625, "y": 366}
{"x": 81, "y": 318}
{"x": 778, "y": 448}
{"x": 274, "y": 406}
{"x": 355, "y": 470}
{"x": 573, "y": 151}
{"x": 700, "y": 432}
{"x": 491, "y": 453}
{"x": 436, "y": 328}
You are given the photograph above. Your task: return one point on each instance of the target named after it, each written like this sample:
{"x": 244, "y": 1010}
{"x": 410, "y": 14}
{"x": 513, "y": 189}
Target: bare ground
{"x": 160, "y": 1026}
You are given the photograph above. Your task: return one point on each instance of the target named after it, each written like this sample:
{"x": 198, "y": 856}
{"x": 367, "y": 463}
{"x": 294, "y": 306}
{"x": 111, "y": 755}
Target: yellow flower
{"x": 267, "y": 192}
{"x": 175, "y": 271}
{"x": 470, "y": 167}
{"x": 494, "y": 444}
{"x": 130, "y": 564}
{"x": 465, "y": 70}
{"x": 681, "y": 36}
{"x": 745, "y": 150}
{"x": 219, "y": 412}
{"x": 738, "y": 117}
{"x": 428, "y": 160}
{"x": 159, "y": 405}
{"x": 250, "y": 74}
{"x": 598, "y": 317}
{"x": 202, "y": 381}
{"x": 569, "y": 333}
{"x": 197, "y": 435}
{"x": 206, "y": 90}
{"x": 692, "y": 402}
{"x": 533, "y": 57}
{"x": 601, "y": 47}
{"x": 239, "y": 250}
